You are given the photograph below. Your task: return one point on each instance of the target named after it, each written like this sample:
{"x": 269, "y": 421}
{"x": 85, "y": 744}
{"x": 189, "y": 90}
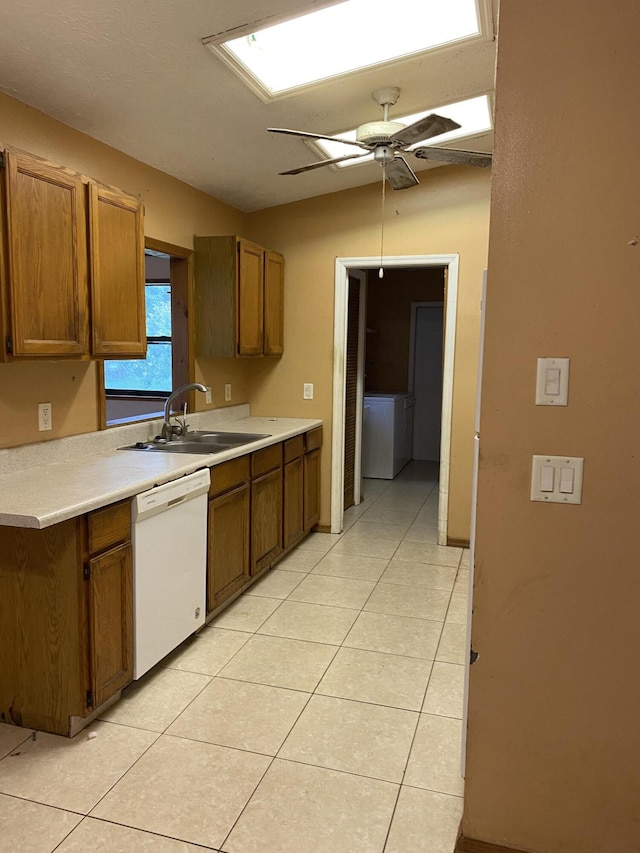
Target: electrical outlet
{"x": 207, "y": 396}
{"x": 227, "y": 392}
{"x": 307, "y": 391}
{"x": 44, "y": 416}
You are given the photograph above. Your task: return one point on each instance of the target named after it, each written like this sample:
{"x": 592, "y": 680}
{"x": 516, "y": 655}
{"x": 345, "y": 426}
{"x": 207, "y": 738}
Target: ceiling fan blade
{"x": 400, "y": 174}
{"x": 450, "y": 155}
{"x": 424, "y": 128}
{"x": 304, "y": 135}
{"x": 321, "y": 163}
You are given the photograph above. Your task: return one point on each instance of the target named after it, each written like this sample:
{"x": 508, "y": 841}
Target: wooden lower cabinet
{"x": 266, "y": 520}
{"x": 66, "y": 616}
{"x": 293, "y": 492}
{"x": 110, "y": 611}
{"x": 312, "y": 446}
{"x": 228, "y": 545}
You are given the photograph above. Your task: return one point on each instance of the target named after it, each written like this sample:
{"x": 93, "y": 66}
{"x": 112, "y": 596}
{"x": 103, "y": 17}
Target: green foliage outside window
{"x": 152, "y": 374}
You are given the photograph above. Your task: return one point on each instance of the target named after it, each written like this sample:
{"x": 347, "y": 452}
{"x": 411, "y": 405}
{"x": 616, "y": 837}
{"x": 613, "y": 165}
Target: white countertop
{"x": 48, "y": 493}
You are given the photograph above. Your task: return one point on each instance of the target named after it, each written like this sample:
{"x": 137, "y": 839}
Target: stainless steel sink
{"x": 198, "y": 441}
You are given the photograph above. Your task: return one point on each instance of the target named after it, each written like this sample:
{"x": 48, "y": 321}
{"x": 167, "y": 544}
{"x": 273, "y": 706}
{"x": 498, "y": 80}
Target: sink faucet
{"x": 169, "y": 429}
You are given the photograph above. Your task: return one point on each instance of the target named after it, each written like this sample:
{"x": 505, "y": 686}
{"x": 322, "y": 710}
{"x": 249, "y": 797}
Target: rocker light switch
{"x": 547, "y": 476}
{"x": 557, "y": 479}
{"x": 552, "y": 382}
{"x": 566, "y": 481}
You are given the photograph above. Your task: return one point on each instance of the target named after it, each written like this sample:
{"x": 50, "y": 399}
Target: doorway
{"x": 425, "y": 378}
{"x": 344, "y": 267}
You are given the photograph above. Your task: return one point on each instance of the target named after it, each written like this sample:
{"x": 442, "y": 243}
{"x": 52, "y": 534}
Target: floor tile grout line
{"x": 136, "y": 829}
{"x": 40, "y": 803}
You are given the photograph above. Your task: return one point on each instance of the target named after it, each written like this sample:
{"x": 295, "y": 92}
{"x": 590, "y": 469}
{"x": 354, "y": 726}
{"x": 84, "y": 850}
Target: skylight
{"x": 352, "y": 35}
{"x": 474, "y": 116}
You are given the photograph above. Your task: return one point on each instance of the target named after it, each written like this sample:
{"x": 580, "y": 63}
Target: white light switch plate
{"x": 307, "y": 391}
{"x": 552, "y": 382}
{"x": 227, "y": 392}
{"x": 557, "y": 479}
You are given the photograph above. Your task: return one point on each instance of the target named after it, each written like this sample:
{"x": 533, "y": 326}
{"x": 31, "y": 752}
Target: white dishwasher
{"x": 169, "y": 527}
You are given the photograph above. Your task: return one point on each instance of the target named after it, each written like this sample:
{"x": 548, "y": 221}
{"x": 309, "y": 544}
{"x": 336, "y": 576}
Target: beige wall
{"x": 447, "y": 213}
{"x": 553, "y": 748}
{"x": 389, "y": 323}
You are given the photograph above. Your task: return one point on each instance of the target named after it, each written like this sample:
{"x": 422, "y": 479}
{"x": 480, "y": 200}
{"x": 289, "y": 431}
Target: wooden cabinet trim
{"x": 313, "y": 439}
{"x": 293, "y": 448}
{"x": 229, "y": 474}
{"x": 266, "y": 459}
{"x": 109, "y": 526}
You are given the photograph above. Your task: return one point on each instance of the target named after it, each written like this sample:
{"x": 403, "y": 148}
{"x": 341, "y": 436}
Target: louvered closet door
{"x": 351, "y": 401}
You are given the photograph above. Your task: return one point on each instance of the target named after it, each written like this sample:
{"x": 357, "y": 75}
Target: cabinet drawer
{"x": 228, "y": 475}
{"x": 109, "y": 526}
{"x": 266, "y": 459}
{"x": 313, "y": 439}
{"x": 293, "y": 448}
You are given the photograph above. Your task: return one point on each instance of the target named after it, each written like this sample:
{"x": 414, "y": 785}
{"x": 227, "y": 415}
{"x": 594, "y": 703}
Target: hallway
{"x": 320, "y": 713}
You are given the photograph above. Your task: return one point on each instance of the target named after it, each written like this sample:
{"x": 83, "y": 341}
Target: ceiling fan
{"x": 388, "y": 140}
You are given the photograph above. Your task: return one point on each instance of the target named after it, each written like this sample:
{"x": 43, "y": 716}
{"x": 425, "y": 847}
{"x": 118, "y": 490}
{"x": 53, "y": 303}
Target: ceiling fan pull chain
{"x": 384, "y": 182}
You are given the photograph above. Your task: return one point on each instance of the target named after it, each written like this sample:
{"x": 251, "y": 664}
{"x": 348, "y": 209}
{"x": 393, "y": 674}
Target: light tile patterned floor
{"x": 320, "y": 713}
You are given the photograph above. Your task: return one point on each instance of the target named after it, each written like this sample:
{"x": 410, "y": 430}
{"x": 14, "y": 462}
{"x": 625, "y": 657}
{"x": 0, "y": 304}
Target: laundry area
{"x": 403, "y": 361}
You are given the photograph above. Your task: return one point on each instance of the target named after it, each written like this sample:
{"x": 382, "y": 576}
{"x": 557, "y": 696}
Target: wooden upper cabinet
{"x": 116, "y": 248}
{"x": 273, "y": 303}
{"x": 67, "y": 238}
{"x": 46, "y": 259}
{"x": 250, "y": 300}
{"x": 239, "y": 288}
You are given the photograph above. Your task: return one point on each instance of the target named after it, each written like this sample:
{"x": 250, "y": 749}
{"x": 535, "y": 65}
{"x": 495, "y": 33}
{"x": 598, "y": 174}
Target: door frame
{"x": 343, "y": 266}
{"x": 362, "y": 321}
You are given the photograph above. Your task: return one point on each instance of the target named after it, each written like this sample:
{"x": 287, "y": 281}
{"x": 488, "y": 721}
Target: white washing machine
{"x": 387, "y": 434}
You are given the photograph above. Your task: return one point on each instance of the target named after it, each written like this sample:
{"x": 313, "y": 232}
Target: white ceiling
{"x": 136, "y": 76}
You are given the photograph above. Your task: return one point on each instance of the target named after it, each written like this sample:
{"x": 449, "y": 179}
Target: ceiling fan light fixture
{"x": 374, "y": 132}
{"x": 383, "y": 153}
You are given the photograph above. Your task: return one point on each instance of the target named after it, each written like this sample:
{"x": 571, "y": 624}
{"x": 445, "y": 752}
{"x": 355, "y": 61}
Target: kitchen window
{"x": 136, "y": 389}
{"x": 152, "y": 376}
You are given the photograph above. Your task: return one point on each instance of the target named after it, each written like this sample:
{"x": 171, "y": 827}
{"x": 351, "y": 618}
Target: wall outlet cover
{"x": 44, "y": 416}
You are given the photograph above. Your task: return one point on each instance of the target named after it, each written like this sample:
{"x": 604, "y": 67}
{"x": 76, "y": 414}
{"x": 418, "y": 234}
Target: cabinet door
{"x": 43, "y": 660}
{"x": 266, "y": 520}
{"x": 228, "y": 545}
{"x": 46, "y": 259}
{"x": 250, "y": 302}
{"x": 311, "y": 489}
{"x": 116, "y": 241}
{"x": 293, "y": 502}
{"x": 273, "y": 303}
{"x": 110, "y": 614}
